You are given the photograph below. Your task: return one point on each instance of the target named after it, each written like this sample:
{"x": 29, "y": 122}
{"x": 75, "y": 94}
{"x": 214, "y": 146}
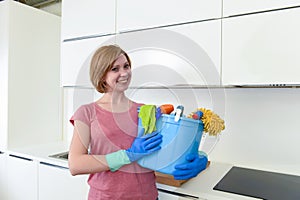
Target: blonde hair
{"x": 102, "y": 61}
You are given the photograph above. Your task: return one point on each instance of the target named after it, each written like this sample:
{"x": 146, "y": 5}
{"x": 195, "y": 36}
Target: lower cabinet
{"x": 21, "y": 178}
{"x": 164, "y": 196}
{"x": 57, "y": 183}
{"x": 3, "y": 188}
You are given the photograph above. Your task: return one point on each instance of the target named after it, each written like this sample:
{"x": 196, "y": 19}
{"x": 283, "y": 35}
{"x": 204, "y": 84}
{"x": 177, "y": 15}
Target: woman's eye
{"x": 126, "y": 66}
{"x": 115, "y": 69}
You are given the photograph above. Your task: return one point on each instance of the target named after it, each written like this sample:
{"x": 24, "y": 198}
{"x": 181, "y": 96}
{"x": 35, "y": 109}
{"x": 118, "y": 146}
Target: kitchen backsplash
{"x": 261, "y": 131}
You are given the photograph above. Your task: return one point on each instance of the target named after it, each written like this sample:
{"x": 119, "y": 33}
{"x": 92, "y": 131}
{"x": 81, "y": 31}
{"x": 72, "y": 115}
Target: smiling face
{"x": 118, "y": 77}
{"x": 110, "y": 69}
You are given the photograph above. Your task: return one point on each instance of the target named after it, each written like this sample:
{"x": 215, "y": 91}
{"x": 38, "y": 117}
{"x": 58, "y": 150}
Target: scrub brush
{"x": 213, "y": 124}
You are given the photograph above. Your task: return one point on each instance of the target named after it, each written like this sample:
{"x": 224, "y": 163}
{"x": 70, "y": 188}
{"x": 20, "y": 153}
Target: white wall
{"x": 262, "y": 129}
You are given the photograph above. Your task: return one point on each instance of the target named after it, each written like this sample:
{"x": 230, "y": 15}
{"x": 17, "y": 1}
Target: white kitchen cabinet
{"x": 22, "y": 178}
{"x": 186, "y": 54}
{"x": 87, "y": 18}
{"x": 262, "y": 48}
{"x": 74, "y": 97}
{"x": 56, "y": 182}
{"x": 174, "y": 196}
{"x": 29, "y": 75}
{"x": 75, "y": 60}
{"x": 135, "y": 14}
{"x": 233, "y": 7}
{"x": 3, "y": 176}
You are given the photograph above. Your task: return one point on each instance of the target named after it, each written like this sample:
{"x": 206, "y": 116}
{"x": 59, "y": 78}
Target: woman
{"x": 104, "y": 142}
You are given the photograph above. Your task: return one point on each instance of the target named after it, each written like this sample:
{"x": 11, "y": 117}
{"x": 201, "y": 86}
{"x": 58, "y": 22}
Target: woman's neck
{"x": 114, "y": 102}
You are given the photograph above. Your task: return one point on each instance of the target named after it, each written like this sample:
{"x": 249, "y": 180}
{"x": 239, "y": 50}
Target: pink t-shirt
{"x": 111, "y": 132}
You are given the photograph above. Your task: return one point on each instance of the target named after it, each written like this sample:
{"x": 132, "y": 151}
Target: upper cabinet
{"x": 87, "y": 18}
{"x": 261, "y": 48}
{"x": 135, "y": 14}
{"x": 173, "y": 43}
{"x": 233, "y": 7}
{"x": 75, "y": 60}
{"x": 29, "y": 75}
{"x": 179, "y": 55}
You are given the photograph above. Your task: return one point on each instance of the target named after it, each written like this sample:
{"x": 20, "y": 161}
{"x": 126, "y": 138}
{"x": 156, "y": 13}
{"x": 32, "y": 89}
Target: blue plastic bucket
{"x": 179, "y": 139}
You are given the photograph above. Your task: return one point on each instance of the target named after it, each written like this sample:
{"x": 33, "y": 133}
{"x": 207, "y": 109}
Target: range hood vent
{"x": 39, "y": 3}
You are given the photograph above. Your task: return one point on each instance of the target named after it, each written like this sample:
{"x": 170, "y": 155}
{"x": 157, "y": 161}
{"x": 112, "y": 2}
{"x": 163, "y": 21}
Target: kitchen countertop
{"x": 41, "y": 153}
{"x": 200, "y": 187}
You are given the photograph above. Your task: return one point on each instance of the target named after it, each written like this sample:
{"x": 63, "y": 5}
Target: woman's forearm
{"x": 87, "y": 164}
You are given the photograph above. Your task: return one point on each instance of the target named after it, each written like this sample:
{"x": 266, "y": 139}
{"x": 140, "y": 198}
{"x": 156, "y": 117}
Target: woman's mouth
{"x": 123, "y": 81}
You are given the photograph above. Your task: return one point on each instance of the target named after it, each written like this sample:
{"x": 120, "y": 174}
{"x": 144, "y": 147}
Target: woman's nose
{"x": 124, "y": 72}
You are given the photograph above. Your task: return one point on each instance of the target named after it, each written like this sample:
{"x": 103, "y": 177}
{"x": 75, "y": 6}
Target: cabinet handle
{"x": 53, "y": 165}
{"x": 88, "y": 37}
{"x": 186, "y": 196}
{"x": 20, "y": 157}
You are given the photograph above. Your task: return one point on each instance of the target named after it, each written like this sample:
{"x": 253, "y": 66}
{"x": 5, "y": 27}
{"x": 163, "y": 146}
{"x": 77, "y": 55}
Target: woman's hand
{"x": 194, "y": 165}
{"x": 140, "y": 147}
{"x": 144, "y": 145}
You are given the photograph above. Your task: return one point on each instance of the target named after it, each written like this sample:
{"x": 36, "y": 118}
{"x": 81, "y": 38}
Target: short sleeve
{"x": 84, "y": 114}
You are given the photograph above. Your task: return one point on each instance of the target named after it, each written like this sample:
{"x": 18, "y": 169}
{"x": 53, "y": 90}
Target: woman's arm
{"x": 80, "y": 162}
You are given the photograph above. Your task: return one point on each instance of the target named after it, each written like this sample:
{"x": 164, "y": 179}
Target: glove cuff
{"x": 202, "y": 153}
{"x": 117, "y": 159}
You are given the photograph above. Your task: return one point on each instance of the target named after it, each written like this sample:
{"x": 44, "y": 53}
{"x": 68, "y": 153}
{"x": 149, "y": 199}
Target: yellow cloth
{"x": 147, "y": 115}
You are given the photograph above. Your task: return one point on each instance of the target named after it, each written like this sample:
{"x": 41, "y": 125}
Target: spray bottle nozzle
{"x": 178, "y": 113}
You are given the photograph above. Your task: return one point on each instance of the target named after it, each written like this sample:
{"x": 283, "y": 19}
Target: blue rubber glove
{"x": 140, "y": 147}
{"x": 144, "y": 145}
{"x": 158, "y": 113}
{"x": 195, "y": 164}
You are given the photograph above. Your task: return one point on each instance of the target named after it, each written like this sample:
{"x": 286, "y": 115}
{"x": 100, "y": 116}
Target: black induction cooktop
{"x": 260, "y": 184}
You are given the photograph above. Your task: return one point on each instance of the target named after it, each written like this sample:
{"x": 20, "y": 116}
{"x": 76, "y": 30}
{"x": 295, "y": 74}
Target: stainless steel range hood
{"x": 39, "y": 3}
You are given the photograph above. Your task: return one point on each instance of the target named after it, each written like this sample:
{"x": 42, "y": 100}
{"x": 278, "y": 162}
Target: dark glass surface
{"x": 260, "y": 184}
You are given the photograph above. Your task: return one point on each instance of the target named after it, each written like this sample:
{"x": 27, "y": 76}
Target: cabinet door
{"x": 135, "y": 14}
{"x": 3, "y": 73}
{"x": 57, "y": 183}
{"x": 3, "y": 177}
{"x": 179, "y": 55}
{"x": 262, "y": 48}
{"x": 74, "y": 97}
{"x": 75, "y": 60}
{"x": 22, "y": 181}
{"x": 233, "y": 7}
{"x": 29, "y": 58}
{"x": 87, "y": 18}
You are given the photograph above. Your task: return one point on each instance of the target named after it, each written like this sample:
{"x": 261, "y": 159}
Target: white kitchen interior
{"x": 239, "y": 59}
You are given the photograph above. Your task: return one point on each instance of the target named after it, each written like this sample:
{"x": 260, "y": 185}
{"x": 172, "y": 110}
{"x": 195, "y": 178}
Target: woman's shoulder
{"x": 84, "y": 113}
{"x": 87, "y": 109}
{"x": 137, "y": 104}
{"x": 88, "y": 105}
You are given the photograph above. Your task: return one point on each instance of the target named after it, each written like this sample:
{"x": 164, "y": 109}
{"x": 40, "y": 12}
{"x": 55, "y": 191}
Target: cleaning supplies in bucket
{"x": 181, "y": 136}
{"x": 213, "y": 124}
